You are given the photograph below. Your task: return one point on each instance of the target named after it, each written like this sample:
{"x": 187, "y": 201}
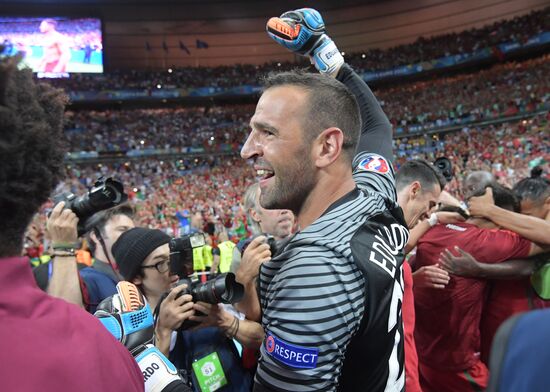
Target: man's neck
{"x": 482, "y": 223}
{"x": 153, "y": 301}
{"x": 322, "y": 197}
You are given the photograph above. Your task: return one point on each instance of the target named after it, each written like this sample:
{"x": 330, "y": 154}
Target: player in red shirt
{"x": 511, "y": 294}
{"x": 447, "y": 321}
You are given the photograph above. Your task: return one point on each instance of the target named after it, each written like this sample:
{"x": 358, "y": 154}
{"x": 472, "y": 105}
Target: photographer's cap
{"x": 133, "y": 247}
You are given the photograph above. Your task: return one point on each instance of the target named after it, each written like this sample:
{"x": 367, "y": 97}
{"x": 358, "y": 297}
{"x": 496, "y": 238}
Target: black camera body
{"x": 274, "y": 245}
{"x": 105, "y": 194}
{"x": 181, "y": 253}
{"x": 445, "y": 167}
{"x": 222, "y": 289}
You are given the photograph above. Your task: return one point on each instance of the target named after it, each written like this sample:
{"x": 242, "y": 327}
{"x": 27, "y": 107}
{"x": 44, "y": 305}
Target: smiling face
{"x": 421, "y": 204}
{"x": 280, "y": 149}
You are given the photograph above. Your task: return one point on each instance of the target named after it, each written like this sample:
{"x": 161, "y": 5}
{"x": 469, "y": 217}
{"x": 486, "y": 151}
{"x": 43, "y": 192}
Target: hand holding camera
{"x": 104, "y": 194}
{"x": 257, "y": 252}
{"x": 174, "y": 310}
{"x": 61, "y": 225}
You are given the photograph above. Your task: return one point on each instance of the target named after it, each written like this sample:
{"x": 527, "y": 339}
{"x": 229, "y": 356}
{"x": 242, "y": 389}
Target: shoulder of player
{"x": 368, "y": 162}
{"x": 498, "y": 235}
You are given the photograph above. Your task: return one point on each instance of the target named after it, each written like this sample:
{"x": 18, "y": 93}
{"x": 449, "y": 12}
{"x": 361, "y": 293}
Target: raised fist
{"x": 302, "y": 31}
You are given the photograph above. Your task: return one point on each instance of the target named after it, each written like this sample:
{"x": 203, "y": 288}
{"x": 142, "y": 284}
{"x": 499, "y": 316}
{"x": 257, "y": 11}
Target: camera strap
{"x": 104, "y": 247}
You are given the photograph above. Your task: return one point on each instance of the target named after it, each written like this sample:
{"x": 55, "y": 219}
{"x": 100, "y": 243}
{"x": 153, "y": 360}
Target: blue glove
{"x": 130, "y": 321}
{"x": 303, "y": 31}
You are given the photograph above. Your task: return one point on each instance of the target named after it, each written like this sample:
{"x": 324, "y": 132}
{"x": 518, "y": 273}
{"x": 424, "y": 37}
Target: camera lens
{"x": 223, "y": 289}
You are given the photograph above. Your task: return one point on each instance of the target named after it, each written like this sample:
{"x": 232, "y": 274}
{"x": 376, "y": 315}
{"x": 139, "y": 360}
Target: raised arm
{"x": 303, "y": 32}
{"x": 376, "y": 129}
{"x": 64, "y": 281}
{"x": 534, "y": 229}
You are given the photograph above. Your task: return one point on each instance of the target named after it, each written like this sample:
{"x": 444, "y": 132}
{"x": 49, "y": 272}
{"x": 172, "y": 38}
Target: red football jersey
{"x": 447, "y": 320}
{"x": 506, "y": 298}
{"x": 412, "y": 382}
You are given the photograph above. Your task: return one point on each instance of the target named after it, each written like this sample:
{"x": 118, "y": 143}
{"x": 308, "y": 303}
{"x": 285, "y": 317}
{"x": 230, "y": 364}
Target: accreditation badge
{"x": 209, "y": 373}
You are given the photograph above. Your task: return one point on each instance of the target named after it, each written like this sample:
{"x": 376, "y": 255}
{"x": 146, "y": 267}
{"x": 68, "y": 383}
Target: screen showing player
{"x": 54, "y": 46}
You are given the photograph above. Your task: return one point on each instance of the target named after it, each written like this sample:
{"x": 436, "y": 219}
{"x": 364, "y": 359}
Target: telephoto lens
{"x": 223, "y": 289}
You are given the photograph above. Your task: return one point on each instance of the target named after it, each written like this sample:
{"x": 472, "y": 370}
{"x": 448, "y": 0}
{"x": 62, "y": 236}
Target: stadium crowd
{"x": 508, "y": 151}
{"x": 215, "y": 128}
{"x": 518, "y": 29}
{"x": 501, "y": 91}
{"x": 350, "y": 245}
{"x": 215, "y": 185}
{"x": 424, "y": 49}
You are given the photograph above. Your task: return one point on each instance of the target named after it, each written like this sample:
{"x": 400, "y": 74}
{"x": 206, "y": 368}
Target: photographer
{"x": 68, "y": 349}
{"x": 278, "y": 223}
{"x": 143, "y": 257}
{"x": 103, "y": 229}
{"x": 90, "y": 285}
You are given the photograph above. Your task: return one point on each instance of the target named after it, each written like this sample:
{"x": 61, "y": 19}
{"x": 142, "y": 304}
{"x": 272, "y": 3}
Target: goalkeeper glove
{"x": 130, "y": 321}
{"x": 303, "y": 31}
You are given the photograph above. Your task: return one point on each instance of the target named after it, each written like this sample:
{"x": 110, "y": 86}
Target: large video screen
{"x": 54, "y": 46}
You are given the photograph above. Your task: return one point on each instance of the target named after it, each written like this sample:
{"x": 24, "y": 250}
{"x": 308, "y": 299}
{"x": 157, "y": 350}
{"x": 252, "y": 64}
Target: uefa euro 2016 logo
{"x": 375, "y": 163}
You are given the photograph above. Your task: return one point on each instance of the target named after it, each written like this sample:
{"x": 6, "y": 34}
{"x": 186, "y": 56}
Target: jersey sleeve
{"x": 376, "y": 129}
{"x": 316, "y": 306}
{"x": 372, "y": 172}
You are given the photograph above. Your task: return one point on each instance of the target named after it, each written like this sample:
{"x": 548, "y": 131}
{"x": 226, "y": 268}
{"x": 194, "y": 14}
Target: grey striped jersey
{"x": 316, "y": 295}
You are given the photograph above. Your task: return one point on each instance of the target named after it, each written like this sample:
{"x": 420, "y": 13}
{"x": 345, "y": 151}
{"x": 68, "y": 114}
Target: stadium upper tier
{"x": 491, "y": 41}
{"x": 505, "y": 90}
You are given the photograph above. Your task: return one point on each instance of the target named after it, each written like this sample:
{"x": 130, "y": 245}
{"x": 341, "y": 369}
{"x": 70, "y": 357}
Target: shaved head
{"x": 476, "y": 181}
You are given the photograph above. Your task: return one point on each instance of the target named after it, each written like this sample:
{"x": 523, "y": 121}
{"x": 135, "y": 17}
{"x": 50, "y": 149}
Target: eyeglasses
{"x": 162, "y": 266}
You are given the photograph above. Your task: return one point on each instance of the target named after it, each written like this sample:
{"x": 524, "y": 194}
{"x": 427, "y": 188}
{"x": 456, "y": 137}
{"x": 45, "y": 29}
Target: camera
{"x": 445, "y": 167}
{"x": 181, "y": 253}
{"x": 222, "y": 289}
{"x": 274, "y": 245}
{"x": 103, "y": 195}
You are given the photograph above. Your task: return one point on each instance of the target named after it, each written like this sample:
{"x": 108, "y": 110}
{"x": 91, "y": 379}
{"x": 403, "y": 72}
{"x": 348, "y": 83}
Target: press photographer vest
{"x": 207, "y": 254}
{"x": 226, "y": 255}
{"x": 198, "y": 259}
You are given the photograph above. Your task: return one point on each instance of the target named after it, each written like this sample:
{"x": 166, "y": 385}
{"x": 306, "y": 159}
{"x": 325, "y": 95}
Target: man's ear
{"x": 414, "y": 189}
{"x": 254, "y": 215}
{"x": 328, "y": 146}
{"x": 137, "y": 280}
